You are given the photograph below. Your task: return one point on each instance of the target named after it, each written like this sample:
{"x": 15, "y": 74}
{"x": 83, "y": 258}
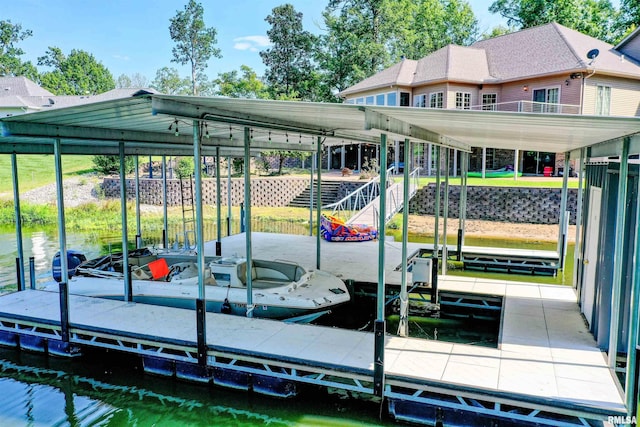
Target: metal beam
{"x": 379, "y": 325}
{"x": 62, "y": 230}
{"x": 376, "y": 120}
{"x": 18, "y": 218}
{"x": 176, "y": 108}
{"x": 618, "y": 259}
{"x": 247, "y": 218}
{"x": 218, "y": 205}
{"x": 318, "y": 197}
{"x": 125, "y": 240}
{"x": 403, "y": 323}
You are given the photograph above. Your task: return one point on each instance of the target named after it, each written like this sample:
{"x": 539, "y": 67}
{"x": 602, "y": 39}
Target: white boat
{"x": 280, "y": 289}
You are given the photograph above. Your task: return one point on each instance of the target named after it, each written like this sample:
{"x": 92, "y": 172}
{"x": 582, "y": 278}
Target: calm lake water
{"x": 111, "y": 389}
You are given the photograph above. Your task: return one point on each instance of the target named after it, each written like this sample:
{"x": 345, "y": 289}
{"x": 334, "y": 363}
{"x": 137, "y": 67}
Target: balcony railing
{"x": 530, "y": 107}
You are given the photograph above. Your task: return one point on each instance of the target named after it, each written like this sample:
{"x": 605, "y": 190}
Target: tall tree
{"x": 365, "y": 36}
{"x": 248, "y": 85}
{"x": 629, "y": 17}
{"x": 10, "y": 62}
{"x": 169, "y": 82}
{"x": 288, "y": 61}
{"x": 77, "y": 74}
{"x": 596, "y": 18}
{"x": 136, "y": 80}
{"x": 194, "y": 42}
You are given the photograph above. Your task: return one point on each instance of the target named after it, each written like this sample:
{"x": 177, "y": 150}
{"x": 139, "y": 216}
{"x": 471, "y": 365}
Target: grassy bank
{"x": 107, "y": 214}
{"x": 36, "y": 170}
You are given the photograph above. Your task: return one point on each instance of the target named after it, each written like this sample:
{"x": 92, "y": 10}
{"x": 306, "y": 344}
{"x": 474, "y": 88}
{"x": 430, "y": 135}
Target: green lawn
{"x": 507, "y": 182}
{"x": 36, "y": 170}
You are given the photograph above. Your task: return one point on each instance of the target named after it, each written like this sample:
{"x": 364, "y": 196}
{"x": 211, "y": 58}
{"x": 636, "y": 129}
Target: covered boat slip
{"x": 569, "y": 377}
{"x": 546, "y": 360}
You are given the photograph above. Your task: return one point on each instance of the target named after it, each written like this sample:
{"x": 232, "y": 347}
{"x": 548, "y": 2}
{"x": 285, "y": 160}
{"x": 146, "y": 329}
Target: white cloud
{"x": 121, "y": 57}
{"x": 251, "y": 43}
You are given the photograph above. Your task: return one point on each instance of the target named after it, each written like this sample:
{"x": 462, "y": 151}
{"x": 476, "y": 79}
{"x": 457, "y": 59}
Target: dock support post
{"x": 562, "y": 233}
{"x": 64, "y": 311}
{"x": 19, "y": 280}
{"x": 578, "y": 243}
{"x": 318, "y": 198}
{"x": 436, "y": 225}
{"x": 18, "y": 219}
{"x": 445, "y": 213}
{"x": 618, "y": 262}
{"x": 516, "y": 161}
{"x": 311, "y": 191}
{"x": 378, "y": 357}
{"x": 62, "y": 230}
{"x": 32, "y": 272}
{"x": 201, "y": 313}
{"x": 129, "y": 284}
{"x": 218, "y": 206}
{"x": 138, "y": 225}
{"x": 484, "y": 162}
{"x": 462, "y": 216}
{"x": 403, "y": 323}
{"x": 434, "y": 280}
{"x": 165, "y": 220}
{"x": 247, "y": 221}
{"x": 123, "y": 208}
{"x": 229, "y": 167}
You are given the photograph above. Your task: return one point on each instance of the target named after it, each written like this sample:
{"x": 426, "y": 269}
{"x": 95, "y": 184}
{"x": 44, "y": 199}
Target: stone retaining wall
{"x": 511, "y": 204}
{"x": 264, "y": 191}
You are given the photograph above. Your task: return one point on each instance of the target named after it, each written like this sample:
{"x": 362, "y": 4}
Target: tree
{"x": 10, "y": 62}
{"x": 288, "y": 62}
{"x": 246, "y": 86}
{"x": 596, "y": 18}
{"x": 629, "y": 17}
{"x": 110, "y": 165}
{"x": 194, "y": 42}
{"x": 169, "y": 82}
{"x": 282, "y": 155}
{"x": 136, "y": 80}
{"x": 78, "y": 74}
{"x": 365, "y": 36}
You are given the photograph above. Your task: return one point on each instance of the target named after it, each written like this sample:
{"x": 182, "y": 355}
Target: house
{"x": 544, "y": 69}
{"x": 19, "y": 95}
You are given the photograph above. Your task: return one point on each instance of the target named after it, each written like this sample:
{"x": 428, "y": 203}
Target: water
{"x": 112, "y": 390}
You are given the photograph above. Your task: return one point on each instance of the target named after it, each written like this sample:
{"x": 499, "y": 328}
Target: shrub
{"x": 184, "y": 168}
{"x": 110, "y": 165}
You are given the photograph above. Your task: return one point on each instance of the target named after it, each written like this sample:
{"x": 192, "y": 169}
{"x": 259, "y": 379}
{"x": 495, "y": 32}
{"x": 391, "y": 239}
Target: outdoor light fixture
{"x": 206, "y": 131}
{"x": 525, "y": 88}
{"x": 566, "y": 82}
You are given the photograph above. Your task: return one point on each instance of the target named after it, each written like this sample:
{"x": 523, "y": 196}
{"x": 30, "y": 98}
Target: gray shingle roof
{"x": 544, "y": 50}
{"x": 20, "y": 86}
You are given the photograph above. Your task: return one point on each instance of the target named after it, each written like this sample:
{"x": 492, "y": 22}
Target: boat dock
{"x": 547, "y": 369}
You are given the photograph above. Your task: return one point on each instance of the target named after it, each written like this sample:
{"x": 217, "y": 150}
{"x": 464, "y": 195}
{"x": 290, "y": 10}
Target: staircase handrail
{"x": 357, "y": 199}
{"x": 393, "y": 197}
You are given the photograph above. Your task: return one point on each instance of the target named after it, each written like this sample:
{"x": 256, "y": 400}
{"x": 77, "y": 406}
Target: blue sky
{"x": 132, "y": 36}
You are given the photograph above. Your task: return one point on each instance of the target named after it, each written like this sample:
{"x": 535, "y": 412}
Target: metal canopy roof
{"x": 164, "y": 124}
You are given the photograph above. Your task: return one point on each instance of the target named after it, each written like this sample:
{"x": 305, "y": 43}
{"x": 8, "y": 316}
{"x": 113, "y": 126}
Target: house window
{"x": 419, "y": 101}
{"x": 405, "y": 98}
{"x": 436, "y": 100}
{"x": 603, "y": 100}
{"x": 369, "y": 100}
{"x": 380, "y": 99}
{"x": 359, "y": 100}
{"x": 392, "y": 99}
{"x": 350, "y": 101}
{"x": 544, "y": 100}
{"x": 489, "y": 101}
{"x": 463, "y": 101}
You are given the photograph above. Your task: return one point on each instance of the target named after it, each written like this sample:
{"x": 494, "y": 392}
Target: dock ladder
{"x": 188, "y": 212}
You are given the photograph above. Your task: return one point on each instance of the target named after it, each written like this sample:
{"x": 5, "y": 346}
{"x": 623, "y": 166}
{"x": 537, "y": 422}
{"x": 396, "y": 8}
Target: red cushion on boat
{"x": 159, "y": 268}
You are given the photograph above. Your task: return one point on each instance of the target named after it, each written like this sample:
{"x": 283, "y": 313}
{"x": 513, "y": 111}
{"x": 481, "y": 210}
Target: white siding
{"x": 625, "y": 95}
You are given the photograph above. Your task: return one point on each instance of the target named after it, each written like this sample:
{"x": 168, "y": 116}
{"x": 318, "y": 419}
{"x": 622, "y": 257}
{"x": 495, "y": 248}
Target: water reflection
{"x": 109, "y": 390}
